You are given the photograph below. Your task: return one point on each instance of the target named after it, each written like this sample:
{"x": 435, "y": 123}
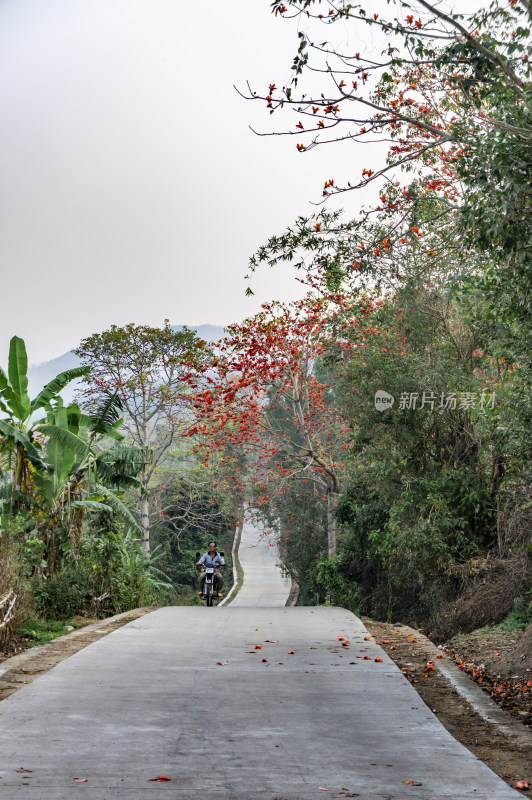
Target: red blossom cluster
{"x": 269, "y": 399}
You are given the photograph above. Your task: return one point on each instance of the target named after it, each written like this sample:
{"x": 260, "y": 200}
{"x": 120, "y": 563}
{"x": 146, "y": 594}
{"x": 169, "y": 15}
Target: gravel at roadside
{"x": 506, "y": 747}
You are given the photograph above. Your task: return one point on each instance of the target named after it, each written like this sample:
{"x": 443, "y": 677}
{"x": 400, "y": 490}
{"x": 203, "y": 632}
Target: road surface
{"x": 264, "y": 584}
{"x": 233, "y": 703}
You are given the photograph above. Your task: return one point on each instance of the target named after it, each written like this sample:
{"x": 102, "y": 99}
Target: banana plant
{"x": 18, "y": 437}
{"x": 83, "y": 471}
{"x": 62, "y": 465}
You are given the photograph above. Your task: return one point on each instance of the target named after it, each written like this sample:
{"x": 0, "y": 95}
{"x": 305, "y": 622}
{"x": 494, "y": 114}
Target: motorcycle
{"x": 208, "y": 586}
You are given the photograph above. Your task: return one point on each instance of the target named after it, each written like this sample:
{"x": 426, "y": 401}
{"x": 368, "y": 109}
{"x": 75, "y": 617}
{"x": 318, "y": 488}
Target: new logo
{"x": 383, "y": 400}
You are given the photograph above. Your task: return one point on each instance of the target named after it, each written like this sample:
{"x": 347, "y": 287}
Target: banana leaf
{"x": 119, "y": 507}
{"x": 17, "y": 371}
{"x": 21, "y": 437}
{"x": 92, "y": 505}
{"x": 67, "y": 439}
{"x": 54, "y": 386}
{"x": 7, "y": 393}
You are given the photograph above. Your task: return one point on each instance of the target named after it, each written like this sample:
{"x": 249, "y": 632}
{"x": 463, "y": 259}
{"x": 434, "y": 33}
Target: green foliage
{"x": 63, "y": 491}
{"x": 109, "y": 575}
{"x": 328, "y": 577}
{"x": 32, "y": 555}
{"x": 17, "y": 373}
{"x": 422, "y": 495}
{"x": 193, "y": 515}
{"x": 421, "y": 486}
{"x": 152, "y": 373}
{"x": 50, "y": 463}
{"x": 14, "y": 399}
{"x": 13, "y": 573}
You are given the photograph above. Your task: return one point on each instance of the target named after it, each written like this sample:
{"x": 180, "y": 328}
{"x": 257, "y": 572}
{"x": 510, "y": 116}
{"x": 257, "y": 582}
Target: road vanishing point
{"x": 250, "y": 700}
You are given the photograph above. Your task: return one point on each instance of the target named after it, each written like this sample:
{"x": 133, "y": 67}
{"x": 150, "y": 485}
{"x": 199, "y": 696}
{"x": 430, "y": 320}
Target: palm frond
{"x": 123, "y": 460}
{"x": 107, "y": 413}
{"x": 114, "y": 433}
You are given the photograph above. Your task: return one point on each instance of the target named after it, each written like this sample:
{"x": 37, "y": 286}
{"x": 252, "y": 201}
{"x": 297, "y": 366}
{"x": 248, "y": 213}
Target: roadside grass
{"x": 39, "y": 631}
{"x": 519, "y": 618}
{"x": 238, "y": 566}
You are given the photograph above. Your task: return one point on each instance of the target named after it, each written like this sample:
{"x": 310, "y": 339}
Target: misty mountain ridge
{"x": 41, "y": 374}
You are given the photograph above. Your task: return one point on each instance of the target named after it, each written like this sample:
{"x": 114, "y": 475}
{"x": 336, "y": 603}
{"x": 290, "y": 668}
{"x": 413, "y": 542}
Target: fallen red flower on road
{"x": 160, "y": 778}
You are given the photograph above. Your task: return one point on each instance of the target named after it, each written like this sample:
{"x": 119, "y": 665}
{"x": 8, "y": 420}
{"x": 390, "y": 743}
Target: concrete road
{"x": 186, "y": 693}
{"x": 264, "y": 584}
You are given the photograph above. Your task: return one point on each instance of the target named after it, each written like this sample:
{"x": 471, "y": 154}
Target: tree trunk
{"x": 74, "y": 530}
{"x": 51, "y": 553}
{"x": 144, "y": 502}
{"x": 19, "y": 468}
{"x": 145, "y": 525}
{"x": 331, "y": 523}
{"x": 18, "y": 477}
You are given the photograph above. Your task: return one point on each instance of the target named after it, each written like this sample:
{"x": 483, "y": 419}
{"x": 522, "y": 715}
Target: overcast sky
{"x": 131, "y": 188}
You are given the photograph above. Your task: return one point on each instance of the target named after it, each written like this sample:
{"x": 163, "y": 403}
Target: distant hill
{"x": 40, "y": 374}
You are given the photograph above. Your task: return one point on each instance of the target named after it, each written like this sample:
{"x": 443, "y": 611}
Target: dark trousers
{"x": 218, "y": 581}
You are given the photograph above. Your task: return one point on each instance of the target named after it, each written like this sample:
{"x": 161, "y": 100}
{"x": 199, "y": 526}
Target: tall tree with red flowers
{"x": 273, "y": 396}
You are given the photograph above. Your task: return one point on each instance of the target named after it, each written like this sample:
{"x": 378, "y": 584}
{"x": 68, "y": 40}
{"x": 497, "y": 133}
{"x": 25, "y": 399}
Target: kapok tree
{"x": 439, "y": 83}
{"x": 448, "y": 95}
{"x": 272, "y": 397}
{"x": 155, "y": 372}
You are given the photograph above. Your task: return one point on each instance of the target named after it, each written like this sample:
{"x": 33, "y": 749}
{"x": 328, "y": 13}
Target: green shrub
{"x": 62, "y": 595}
{"x": 109, "y": 575}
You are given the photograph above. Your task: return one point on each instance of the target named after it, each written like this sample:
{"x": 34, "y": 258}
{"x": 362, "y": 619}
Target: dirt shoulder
{"x": 22, "y": 669}
{"x": 493, "y": 659}
{"x": 505, "y": 748}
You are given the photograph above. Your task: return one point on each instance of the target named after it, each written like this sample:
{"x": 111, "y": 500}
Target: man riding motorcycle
{"x": 212, "y": 558}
